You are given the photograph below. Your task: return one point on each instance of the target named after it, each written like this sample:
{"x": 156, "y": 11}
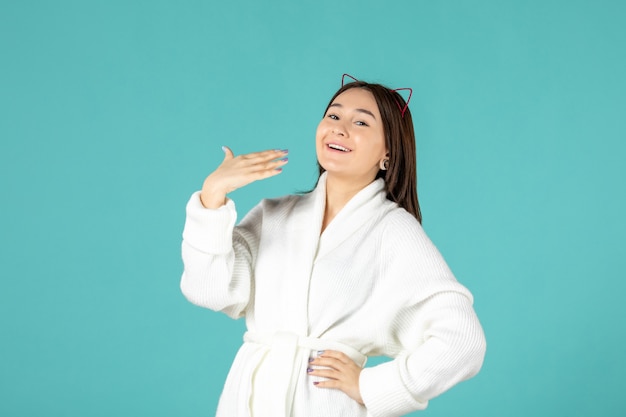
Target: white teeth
{"x": 338, "y": 147}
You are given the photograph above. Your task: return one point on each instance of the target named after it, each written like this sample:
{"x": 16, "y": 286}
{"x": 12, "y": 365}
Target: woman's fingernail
{"x": 279, "y": 169}
{"x": 311, "y": 359}
{"x": 285, "y": 159}
{"x": 320, "y": 352}
{"x": 309, "y": 369}
{"x": 315, "y": 383}
{"x": 284, "y": 150}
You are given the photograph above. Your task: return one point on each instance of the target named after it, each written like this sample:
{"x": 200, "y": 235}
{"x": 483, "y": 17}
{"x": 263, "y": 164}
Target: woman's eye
{"x": 360, "y": 123}
{"x": 333, "y": 116}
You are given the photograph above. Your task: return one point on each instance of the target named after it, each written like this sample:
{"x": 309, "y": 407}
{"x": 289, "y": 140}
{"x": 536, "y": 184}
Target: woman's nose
{"x": 338, "y": 130}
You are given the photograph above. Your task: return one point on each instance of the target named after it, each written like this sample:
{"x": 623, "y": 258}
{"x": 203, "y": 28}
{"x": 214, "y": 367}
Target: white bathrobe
{"x": 372, "y": 284}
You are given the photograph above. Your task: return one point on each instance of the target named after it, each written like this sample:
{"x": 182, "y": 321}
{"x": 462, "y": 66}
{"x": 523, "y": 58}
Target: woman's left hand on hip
{"x": 340, "y": 371}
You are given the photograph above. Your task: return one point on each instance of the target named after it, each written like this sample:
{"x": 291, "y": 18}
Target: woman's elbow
{"x": 474, "y": 350}
{"x": 232, "y": 303}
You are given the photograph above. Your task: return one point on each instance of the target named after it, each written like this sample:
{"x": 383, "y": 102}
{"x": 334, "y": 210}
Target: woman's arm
{"x": 445, "y": 345}
{"x": 433, "y": 334}
{"x": 218, "y": 257}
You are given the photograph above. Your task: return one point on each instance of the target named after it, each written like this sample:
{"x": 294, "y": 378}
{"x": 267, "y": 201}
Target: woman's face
{"x": 350, "y": 139}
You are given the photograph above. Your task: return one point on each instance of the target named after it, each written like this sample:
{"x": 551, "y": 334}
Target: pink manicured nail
{"x": 279, "y": 169}
{"x": 309, "y": 369}
{"x": 315, "y": 383}
{"x": 311, "y": 359}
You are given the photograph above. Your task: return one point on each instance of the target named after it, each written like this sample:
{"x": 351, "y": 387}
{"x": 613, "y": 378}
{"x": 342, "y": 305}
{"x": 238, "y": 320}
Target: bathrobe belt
{"x": 288, "y": 358}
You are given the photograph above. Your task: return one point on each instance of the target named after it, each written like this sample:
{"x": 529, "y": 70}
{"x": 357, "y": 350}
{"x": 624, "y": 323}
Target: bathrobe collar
{"x": 365, "y": 204}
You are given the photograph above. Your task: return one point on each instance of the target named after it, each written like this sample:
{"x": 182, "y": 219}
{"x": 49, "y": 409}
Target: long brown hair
{"x": 401, "y": 176}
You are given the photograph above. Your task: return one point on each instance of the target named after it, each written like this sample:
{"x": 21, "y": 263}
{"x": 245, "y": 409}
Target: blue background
{"x": 112, "y": 113}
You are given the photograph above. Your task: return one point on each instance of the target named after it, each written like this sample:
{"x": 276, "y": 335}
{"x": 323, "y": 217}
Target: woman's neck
{"x": 338, "y": 192}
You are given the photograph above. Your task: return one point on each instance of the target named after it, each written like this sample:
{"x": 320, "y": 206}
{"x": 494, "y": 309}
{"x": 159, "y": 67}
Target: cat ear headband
{"x": 402, "y": 109}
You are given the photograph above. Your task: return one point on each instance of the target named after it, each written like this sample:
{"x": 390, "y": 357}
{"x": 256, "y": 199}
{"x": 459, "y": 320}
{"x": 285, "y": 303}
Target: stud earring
{"x": 384, "y": 164}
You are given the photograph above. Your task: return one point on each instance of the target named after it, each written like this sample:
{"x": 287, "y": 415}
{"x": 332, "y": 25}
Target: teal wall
{"x": 112, "y": 113}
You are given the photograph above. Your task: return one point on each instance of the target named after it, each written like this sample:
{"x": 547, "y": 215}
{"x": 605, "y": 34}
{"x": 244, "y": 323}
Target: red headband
{"x": 402, "y": 109}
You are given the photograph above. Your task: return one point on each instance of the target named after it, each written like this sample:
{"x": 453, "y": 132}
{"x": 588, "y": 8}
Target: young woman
{"x": 328, "y": 278}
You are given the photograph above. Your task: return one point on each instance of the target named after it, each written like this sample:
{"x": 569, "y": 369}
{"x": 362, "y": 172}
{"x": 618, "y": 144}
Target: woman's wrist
{"x": 212, "y": 200}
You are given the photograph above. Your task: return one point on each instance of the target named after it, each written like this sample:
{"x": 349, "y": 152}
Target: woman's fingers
{"x": 264, "y": 155}
{"x": 266, "y": 163}
{"x": 336, "y": 355}
{"x": 255, "y": 162}
{"x": 228, "y": 154}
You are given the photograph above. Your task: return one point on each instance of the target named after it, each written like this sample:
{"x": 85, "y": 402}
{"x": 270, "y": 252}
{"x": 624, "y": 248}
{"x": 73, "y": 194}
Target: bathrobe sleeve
{"x": 218, "y": 257}
{"x": 434, "y": 336}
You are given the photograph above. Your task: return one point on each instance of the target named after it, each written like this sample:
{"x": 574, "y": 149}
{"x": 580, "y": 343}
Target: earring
{"x": 384, "y": 164}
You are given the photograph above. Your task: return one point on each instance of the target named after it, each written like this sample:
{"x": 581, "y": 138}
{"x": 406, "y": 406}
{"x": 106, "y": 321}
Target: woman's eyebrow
{"x": 359, "y": 110}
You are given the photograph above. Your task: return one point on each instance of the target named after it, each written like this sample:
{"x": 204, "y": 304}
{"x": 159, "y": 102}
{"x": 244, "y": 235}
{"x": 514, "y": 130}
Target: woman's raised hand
{"x": 237, "y": 171}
